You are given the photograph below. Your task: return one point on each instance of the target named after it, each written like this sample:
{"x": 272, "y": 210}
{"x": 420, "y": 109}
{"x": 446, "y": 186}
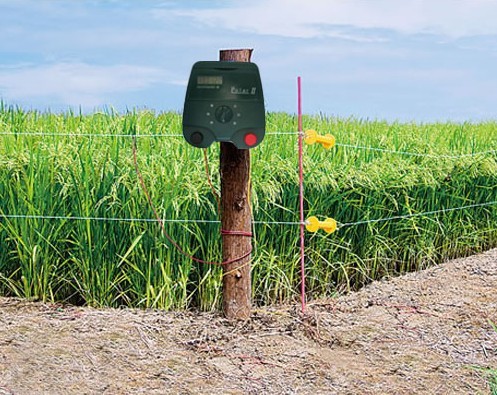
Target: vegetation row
{"x": 80, "y": 166}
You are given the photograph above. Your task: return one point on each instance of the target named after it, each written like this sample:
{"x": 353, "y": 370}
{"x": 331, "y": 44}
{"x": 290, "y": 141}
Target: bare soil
{"x": 422, "y": 333}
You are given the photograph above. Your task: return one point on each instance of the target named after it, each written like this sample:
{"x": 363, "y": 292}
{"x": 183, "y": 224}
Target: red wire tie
{"x": 236, "y": 233}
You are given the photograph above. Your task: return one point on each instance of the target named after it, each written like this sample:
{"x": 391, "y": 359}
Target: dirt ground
{"x": 423, "y": 333}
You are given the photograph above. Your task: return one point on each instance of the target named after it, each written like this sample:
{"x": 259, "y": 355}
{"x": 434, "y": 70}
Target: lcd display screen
{"x": 210, "y": 80}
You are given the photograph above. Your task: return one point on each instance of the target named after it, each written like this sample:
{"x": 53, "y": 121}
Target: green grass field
{"x": 90, "y": 173}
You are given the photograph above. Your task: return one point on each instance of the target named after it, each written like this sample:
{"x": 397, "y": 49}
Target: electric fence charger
{"x": 224, "y": 102}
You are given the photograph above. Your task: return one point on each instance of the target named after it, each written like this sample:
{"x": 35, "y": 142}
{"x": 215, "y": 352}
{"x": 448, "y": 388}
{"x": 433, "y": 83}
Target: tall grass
{"x": 105, "y": 262}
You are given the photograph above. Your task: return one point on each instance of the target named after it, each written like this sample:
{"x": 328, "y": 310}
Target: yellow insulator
{"x": 312, "y": 137}
{"x": 329, "y": 225}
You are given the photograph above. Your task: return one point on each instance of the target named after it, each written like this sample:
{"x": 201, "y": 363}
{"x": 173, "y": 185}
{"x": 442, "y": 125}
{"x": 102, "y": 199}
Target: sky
{"x": 409, "y": 60}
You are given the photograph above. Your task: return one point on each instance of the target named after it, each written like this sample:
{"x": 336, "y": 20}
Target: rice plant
{"x": 69, "y": 195}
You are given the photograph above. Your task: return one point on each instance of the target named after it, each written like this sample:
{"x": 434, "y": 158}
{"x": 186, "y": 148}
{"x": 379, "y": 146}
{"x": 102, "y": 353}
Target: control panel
{"x": 224, "y": 102}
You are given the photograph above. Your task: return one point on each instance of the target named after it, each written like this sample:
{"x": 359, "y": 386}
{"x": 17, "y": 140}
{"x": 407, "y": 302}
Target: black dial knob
{"x": 224, "y": 114}
{"x": 196, "y": 138}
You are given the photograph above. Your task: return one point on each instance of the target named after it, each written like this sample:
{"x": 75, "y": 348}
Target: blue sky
{"x": 421, "y": 60}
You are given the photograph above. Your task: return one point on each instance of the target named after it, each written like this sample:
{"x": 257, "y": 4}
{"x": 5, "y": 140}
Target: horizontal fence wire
{"x": 56, "y": 134}
{"x": 424, "y": 214}
{"x": 147, "y": 220}
{"x": 419, "y": 154}
{"x": 288, "y": 223}
{"x": 176, "y": 135}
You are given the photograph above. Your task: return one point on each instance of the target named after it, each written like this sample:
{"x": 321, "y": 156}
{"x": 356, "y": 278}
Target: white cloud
{"x": 75, "y": 83}
{"x": 406, "y": 75}
{"x": 295, "y": 18}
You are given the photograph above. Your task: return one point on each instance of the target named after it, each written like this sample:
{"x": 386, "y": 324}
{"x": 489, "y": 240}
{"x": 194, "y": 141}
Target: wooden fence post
{"x": 236, "y": 217}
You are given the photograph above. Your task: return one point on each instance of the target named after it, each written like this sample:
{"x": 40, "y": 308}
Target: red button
{"x": 250, "y": 139}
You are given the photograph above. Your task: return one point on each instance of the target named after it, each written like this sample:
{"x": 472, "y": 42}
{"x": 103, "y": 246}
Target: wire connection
{"x": 329, "y": 225}
{"x": 164, "y": 232}
{"x": 312, "y": 137}
{"x": 236, "y": 233}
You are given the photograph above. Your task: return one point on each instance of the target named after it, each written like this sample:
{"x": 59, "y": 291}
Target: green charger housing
{"x": 224, "y": 102}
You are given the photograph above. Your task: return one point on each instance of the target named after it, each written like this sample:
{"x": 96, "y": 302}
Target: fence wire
{"x": 201, "y": 221}
{"x": 177, "y": 135}
{"x": 138, "y": 220}
{"x": 276, "y": 133}
{"x": 424, "y": 214}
